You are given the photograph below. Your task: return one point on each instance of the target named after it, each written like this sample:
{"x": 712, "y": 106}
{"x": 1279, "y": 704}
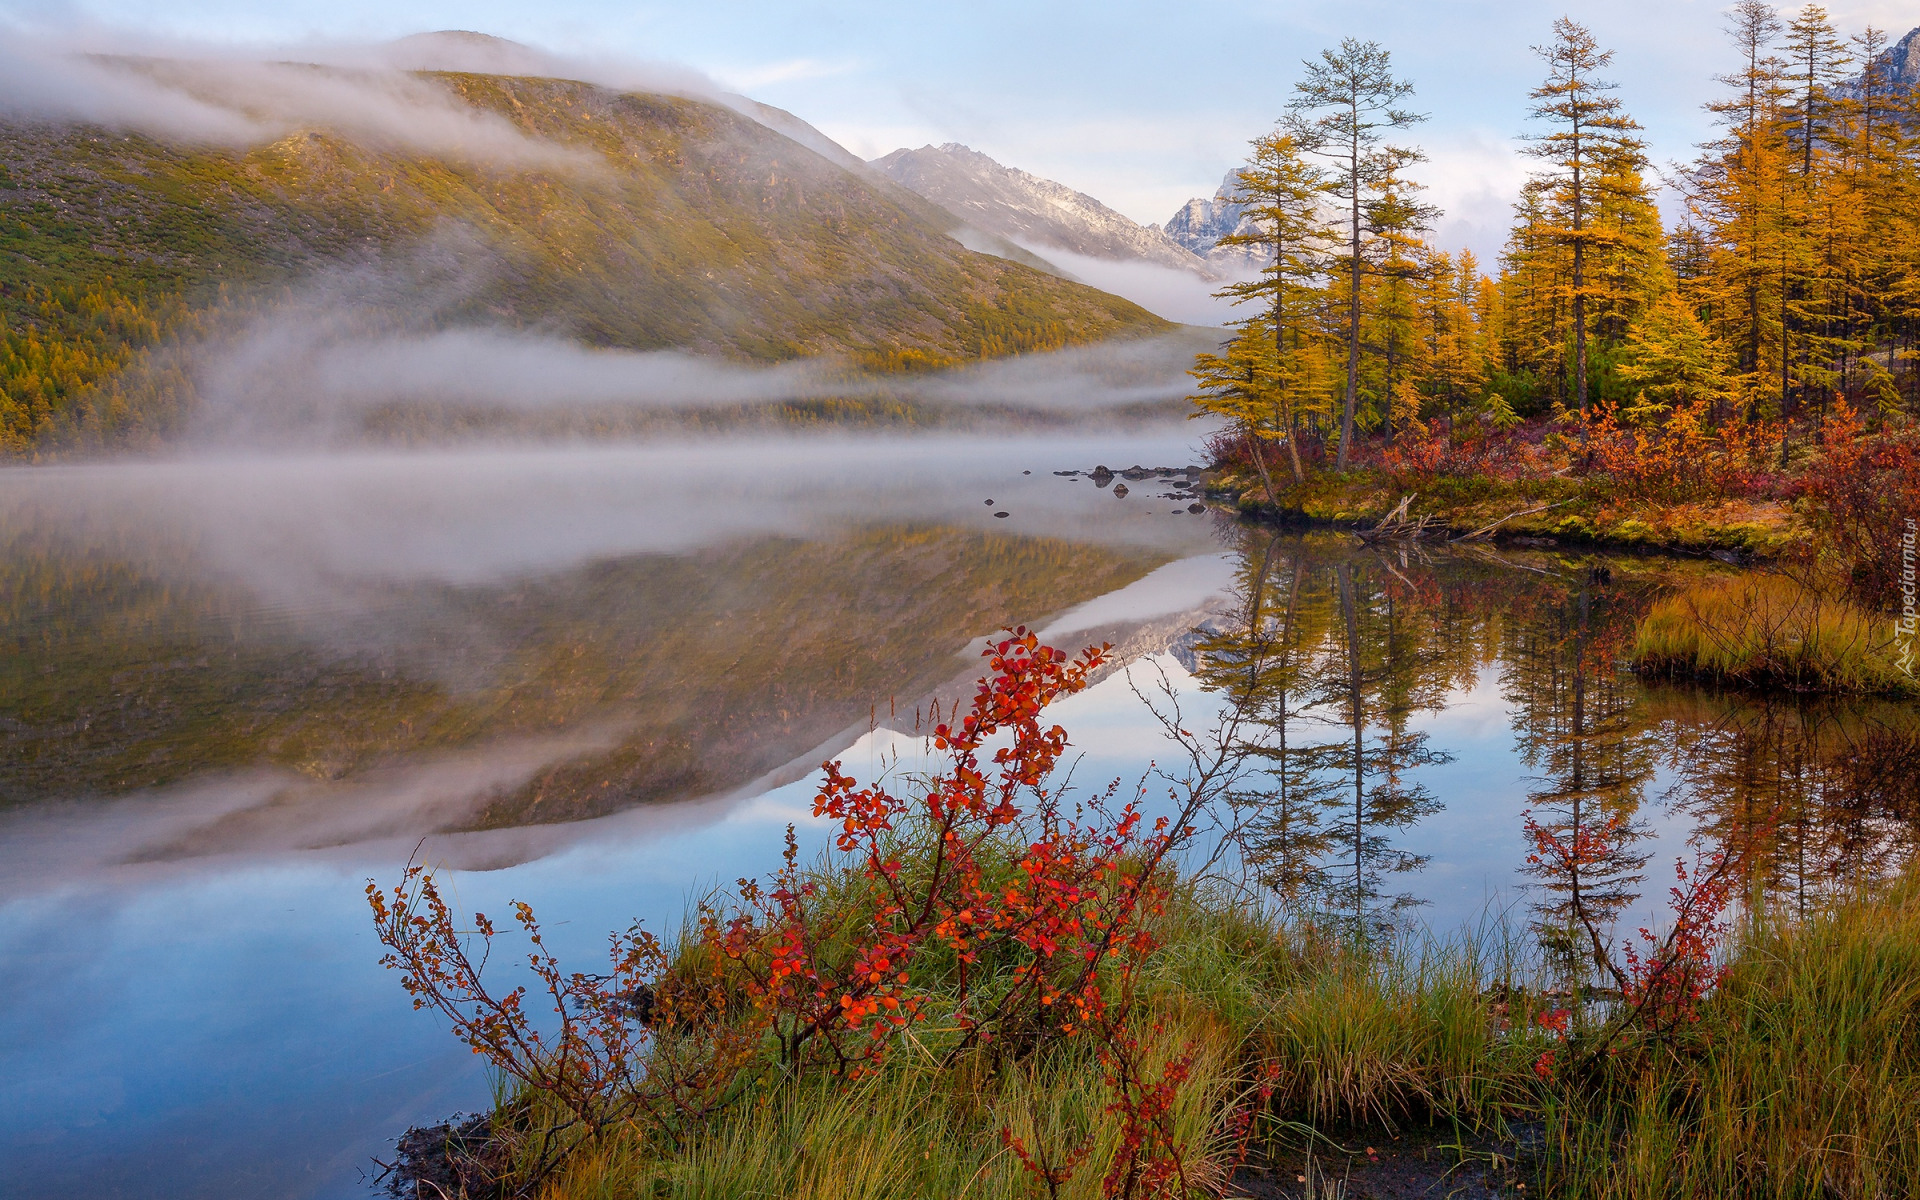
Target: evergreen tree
{"x": 1737, "y": 195}
{"x": 1282, "y": 193}
{"x": 1344, "y": 110}
{"x": 1242, "y": 386}
{"x": 1671, "y": 361}
{"x": 1591, "y": 149}
{"x": 1398, "y": 263}
{"x": 1451, "y": 319}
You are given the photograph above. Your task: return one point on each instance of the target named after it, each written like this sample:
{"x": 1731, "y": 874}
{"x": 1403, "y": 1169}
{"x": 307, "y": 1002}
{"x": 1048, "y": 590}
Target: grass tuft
{"x": 1770, "y": 629}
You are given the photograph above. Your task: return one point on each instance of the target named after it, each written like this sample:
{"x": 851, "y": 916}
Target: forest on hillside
{"x": 1782, "y": 292}
{"x": 651, "y": 223}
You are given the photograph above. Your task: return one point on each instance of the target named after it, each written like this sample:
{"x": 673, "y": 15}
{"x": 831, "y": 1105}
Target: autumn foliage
{"x": 974, "y": 897}
{"x": 1683, "y": 457}
{"x": 1660, "y": 981}
{"x": 1859, "y": 496}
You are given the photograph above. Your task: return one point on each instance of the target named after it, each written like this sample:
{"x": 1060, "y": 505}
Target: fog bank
{"x": 204, "y": 98}
{"x": 238, "y": 96}
{"x": 369, "y": 344}
{"x": 1168, "y": 292}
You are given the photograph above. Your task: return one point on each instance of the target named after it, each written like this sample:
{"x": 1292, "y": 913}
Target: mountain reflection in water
{"x": 224, "y": 707}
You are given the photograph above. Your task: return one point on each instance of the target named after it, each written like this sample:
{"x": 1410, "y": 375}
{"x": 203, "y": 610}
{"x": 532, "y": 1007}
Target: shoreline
{"x": 1565, "y": 515}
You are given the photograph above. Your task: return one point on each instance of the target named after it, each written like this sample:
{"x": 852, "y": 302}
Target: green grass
{"x": 1583, "y": 511}
{"x": 918, "y": 1130}
{"x": 1802, "y": 1078}
{"x": 1356, "y": 1039}
{"x": 1770, "y": 629}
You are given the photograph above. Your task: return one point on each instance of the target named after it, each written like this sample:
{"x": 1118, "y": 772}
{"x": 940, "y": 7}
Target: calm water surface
{"x": 597, "y": 679}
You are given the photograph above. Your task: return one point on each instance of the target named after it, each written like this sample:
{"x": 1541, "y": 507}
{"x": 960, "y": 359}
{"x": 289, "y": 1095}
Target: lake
{"x": 600, "y": 678}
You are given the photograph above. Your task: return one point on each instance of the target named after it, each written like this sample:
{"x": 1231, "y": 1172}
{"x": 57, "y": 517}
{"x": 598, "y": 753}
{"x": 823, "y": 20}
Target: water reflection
{"x": 1811, "y": 796}
{"x": 1329, "y": 663}
{"x": 1577, "y": 726}
{"x": 213, "y": 737}
{"x": 1344, "y": 659}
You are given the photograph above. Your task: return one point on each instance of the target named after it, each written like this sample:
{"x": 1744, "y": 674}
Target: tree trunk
{"x": 1579, "y": 286}
{"x": 1353, "y": 306}
{"x": 1280, "y": 413}
{"x": 1260, "y": 464}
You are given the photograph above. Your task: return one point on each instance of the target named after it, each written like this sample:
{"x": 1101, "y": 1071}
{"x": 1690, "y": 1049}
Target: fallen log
{"x": 1484, "y": 530}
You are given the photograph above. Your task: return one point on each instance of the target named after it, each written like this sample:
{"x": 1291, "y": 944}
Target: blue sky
{"x": 1141, "y": 105}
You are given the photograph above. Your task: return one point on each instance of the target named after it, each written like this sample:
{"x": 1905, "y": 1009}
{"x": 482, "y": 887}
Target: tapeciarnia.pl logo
{"x": 1904, "y": 629}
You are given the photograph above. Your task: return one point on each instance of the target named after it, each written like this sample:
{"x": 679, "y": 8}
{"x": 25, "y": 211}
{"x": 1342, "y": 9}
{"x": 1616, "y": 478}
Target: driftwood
{"x": 1398, "y": 526}
{"x": 1484, "y": 530}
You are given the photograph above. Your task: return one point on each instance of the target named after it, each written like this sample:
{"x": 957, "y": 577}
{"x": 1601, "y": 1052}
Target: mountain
{"x": 1027, "y": 209}
{"x": 146, "y": 205}
{"x": 1200, "y": 223}
{"x": 1898, "y": 68}
{"x": 1903, "y": 61}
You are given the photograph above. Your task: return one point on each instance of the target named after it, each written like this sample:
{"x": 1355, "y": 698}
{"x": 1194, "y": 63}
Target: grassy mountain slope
{"x": 679, "y": 224}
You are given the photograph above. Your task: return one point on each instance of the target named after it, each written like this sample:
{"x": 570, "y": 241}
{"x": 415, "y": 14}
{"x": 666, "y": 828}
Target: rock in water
{"x": 1120, "y": 491}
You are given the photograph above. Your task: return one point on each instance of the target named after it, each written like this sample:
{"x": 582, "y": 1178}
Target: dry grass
{"x": 1761, "y": 628}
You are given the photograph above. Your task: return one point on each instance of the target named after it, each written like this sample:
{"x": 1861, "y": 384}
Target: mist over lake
{"x": 600, "y": 676}
{"x": 1315, "y": 612}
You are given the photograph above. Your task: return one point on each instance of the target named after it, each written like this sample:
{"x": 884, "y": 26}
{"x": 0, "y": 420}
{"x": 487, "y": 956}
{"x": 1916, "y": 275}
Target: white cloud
{"x": 225, "y": 100}
{"x": 790, "y": 70}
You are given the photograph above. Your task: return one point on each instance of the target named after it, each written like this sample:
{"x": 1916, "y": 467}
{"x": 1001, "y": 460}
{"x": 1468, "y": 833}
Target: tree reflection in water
{"x": 1812, "y": 796}
{"x": 1334, "y": 651}
{"x": 1325, "y": 660}
{"x": 1576, "y": 721}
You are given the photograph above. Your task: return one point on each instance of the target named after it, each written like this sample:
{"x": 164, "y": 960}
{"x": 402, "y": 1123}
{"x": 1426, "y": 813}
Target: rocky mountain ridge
{"x": 1200, "y": 223}
{"x": 1030, "y": 210}
{"x": 1898, "y": 69}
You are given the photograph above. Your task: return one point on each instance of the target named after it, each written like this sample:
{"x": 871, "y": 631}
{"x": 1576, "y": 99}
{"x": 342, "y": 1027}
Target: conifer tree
{"x": 1395, "y": 221}
{"x": 1344, "y": 110}
{"x": 1671, "y": 361}
{"x": 1282, "y": 193}
{"x": 1736, "y": 194}
{"x": 1590, "y": 148}
{"x": 1241, "y": 385}
{"x": 1818, "y": 61}
{"x": 1451, "y": 307}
